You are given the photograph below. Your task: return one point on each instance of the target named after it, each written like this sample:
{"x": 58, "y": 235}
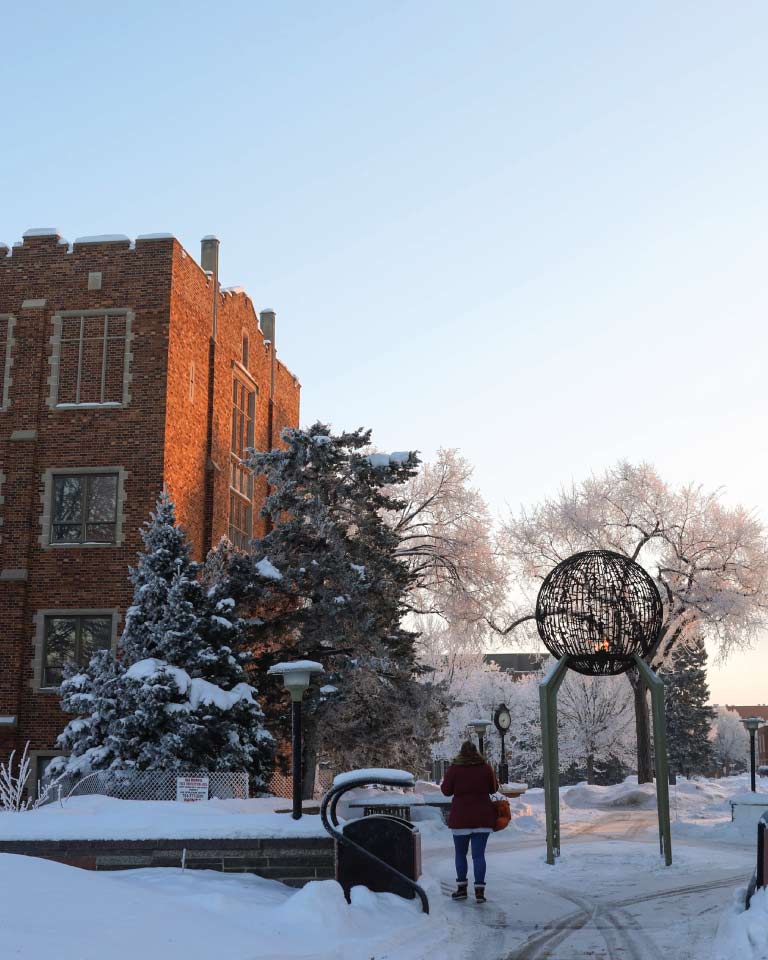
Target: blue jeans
{"x": 461, "y": 845}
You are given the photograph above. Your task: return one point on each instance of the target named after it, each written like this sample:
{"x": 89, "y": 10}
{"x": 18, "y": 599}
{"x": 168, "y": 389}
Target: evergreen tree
{"x": 327, "y": 586}
{"x": 689, "y": 719}
{"x": 178, "y": 696}
{"x": 166, "y": 554}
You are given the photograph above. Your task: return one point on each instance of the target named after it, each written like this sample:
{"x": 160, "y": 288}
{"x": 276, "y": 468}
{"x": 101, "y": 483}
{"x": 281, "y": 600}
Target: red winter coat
{"x": 470, "y": 785}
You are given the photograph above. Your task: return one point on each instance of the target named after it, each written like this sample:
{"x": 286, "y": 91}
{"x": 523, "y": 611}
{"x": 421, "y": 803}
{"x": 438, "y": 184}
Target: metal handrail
{"x": 332, "y": 798}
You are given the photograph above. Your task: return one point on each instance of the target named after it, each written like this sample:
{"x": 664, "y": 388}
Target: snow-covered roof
{"x": 295, "y": 666}
{"x": 155, "y": 236}
{"x": 375, "y": 775}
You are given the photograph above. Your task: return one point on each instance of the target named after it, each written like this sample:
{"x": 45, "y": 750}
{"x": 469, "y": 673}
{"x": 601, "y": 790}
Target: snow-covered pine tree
{"x": 94, "y": 696}
{"x": 327, "y": 585}
{"x": 166, "y": 554}
{"x": 178, "y": 697}
{"x": 689, "y": 719}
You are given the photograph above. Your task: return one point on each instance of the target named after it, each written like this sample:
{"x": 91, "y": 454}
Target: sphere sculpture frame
{"x": 599, "y": 613}
{"x": 601, "y": 609}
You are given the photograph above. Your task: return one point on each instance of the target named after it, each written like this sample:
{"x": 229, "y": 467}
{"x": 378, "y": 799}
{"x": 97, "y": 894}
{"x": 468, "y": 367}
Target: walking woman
{"x": 470, "y": 781}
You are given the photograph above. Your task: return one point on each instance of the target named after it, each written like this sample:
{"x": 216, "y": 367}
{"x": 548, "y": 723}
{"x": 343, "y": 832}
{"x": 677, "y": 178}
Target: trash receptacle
{"x": 393, "y": 840}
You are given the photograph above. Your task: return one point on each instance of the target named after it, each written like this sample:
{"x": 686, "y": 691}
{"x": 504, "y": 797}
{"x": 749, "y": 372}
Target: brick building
{"x": 123, "y": 367}
{"x": 761, "y": 737}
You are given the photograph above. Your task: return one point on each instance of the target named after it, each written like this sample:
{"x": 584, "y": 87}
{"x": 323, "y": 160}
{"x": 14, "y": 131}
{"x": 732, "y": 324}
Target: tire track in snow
{"x": 624, "y": 938}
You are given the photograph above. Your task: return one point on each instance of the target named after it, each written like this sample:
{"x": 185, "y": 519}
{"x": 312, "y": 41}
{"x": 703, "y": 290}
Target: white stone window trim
{"x": 39, "y": 637}
{"x": 46, "y": 517}
{"x": 246, "y": 376}
{"x": 6, "y": 362}
{"x": 55, "y": 358}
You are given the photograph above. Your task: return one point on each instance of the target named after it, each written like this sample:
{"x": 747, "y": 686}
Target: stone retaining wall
{"x": 292, "y": 861}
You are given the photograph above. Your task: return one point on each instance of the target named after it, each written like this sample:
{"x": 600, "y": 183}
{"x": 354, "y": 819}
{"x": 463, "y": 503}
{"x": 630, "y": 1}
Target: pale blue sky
{"x": 536, "y": 232}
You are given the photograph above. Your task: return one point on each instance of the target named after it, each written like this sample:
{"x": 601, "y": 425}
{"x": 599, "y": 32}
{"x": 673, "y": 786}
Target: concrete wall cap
{"x": 156, "y": 236}
{"x": 104, "y": 238}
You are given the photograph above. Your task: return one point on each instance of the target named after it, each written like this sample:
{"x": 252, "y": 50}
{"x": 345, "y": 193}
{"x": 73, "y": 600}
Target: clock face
{"x": 504, "y": 719}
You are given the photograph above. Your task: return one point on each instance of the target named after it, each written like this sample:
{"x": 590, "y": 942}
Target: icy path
{"x": 609, "y": 898}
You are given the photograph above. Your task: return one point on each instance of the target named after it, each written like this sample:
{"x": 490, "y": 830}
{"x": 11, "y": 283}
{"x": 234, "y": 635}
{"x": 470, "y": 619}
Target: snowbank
{"x": 743, "y": 934}
{"x": 196, "y": 914}
{"x": 106, "y": 818}
{"x": 627, "y": 794}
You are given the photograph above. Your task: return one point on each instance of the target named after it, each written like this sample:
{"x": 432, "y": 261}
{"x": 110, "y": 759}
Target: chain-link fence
{"x": 281, "y": 784}
{"x": 148, "y": 784}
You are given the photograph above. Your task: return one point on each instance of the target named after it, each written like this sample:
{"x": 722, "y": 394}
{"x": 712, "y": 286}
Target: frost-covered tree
{"x": 709, "y": 560}
{"x": 730, "y": 740}
{"x": 177, "y": 697}
{"x": 596, "y": 716}
{"x": 475, "y": 690}
{"x": 445, "y": 536}
{"x": 327, "y": 584}
{"x": 689, "y": 718}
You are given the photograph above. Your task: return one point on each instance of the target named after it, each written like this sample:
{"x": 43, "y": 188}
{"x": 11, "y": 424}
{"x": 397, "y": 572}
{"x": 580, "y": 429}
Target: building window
{"x": 6, "y": 342}
{"x": 84, "y": 508}
{"x": 71, "y": 641}
{"x": 90, "y": 354}
{"x": 241, "y": 478}
{"x": 246, "y": 350}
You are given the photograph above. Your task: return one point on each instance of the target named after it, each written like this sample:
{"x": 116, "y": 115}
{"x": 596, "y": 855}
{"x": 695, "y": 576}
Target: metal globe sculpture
{"x": 601, "y": 608}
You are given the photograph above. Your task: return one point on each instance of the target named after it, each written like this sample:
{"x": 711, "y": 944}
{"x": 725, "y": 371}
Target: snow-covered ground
{"x": 105, "y": 818}
{"x": 610, "y": 895}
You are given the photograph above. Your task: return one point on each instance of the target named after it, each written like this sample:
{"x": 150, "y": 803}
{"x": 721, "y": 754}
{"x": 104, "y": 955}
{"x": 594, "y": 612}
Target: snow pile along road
{"x": 743, "y": 934}
{"x": 172, "y": 914}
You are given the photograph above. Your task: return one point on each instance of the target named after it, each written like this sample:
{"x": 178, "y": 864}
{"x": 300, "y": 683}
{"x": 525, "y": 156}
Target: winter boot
{"x": 480, "y": 892}
{"x": 460, "y": 893}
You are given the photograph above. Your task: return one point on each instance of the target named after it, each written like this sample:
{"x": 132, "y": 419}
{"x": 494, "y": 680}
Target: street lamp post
{"x": 296, "y": 677}
{"x": 503, "y": 721}
{"x": 752, "y": 724}
{"x": 480, "y": 727}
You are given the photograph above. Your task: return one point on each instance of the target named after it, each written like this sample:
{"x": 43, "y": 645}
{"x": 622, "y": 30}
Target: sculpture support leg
{"x": 656, "y": 686}
{"x": 548, "y": 703}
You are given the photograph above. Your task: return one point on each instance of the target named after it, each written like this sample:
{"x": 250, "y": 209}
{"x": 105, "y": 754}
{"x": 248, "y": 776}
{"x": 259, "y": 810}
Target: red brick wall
{"x": 73, "y": 577}
{"x": 161, "y": 436}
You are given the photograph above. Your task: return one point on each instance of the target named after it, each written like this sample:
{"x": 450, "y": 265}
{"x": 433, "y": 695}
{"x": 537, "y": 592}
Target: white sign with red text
{"x": 189, "y": 789}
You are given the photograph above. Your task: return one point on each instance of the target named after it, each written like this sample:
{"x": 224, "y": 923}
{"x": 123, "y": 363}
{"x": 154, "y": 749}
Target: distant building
{"x": 518, "y": 665}
{"x": 123, "y": 367}
{"x": 761, "y": 737}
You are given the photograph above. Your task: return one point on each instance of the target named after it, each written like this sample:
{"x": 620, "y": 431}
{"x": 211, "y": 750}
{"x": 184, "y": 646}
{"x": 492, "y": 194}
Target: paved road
{"x": 610, "y": 898}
